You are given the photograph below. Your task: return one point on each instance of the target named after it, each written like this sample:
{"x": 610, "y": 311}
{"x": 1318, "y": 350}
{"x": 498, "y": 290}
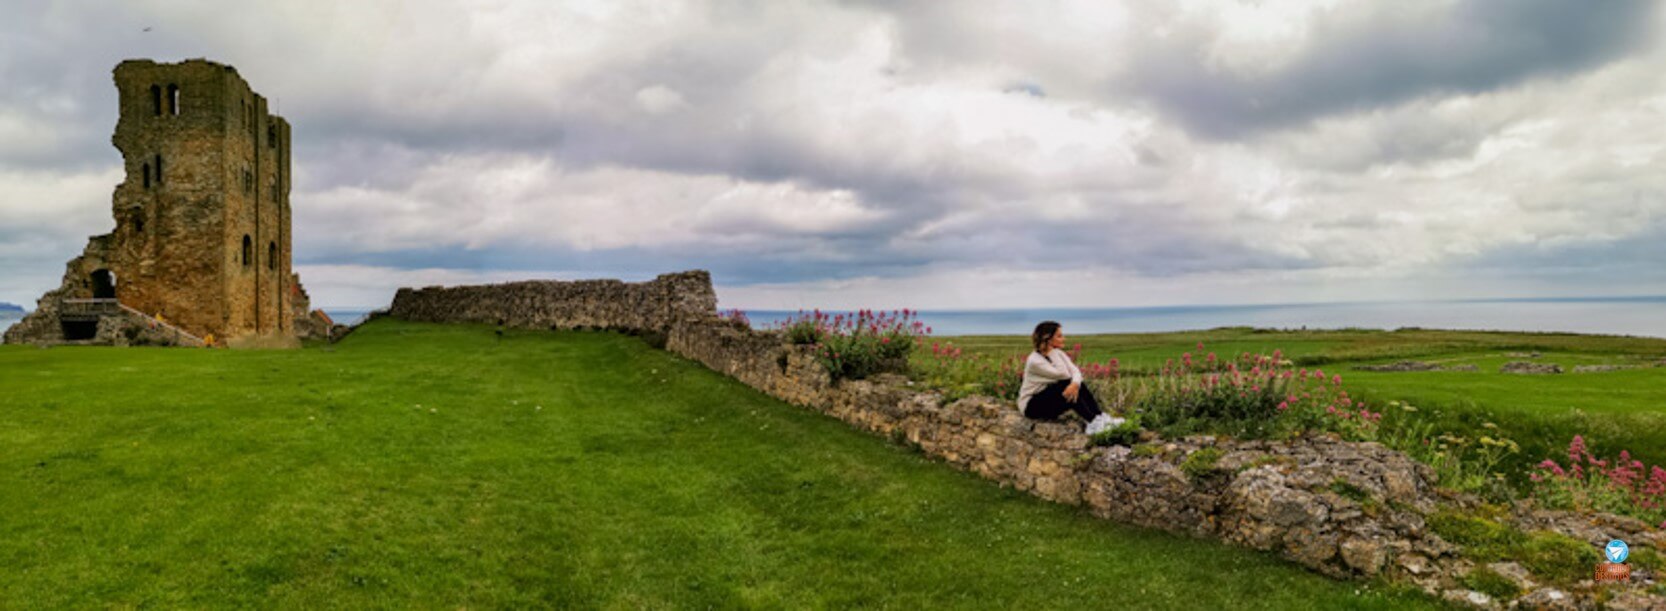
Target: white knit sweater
{"x": 1041, "y": 370}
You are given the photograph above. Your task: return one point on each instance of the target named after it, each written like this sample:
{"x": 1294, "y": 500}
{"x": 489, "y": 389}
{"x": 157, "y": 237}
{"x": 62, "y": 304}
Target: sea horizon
{"x": 1620, "y": 315}
{"x": 1643, "y": 316}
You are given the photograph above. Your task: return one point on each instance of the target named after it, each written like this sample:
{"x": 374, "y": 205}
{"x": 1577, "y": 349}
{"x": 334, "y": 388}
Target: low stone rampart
{"x": 1342, "y": 508}
{"x": 652, "y": 306}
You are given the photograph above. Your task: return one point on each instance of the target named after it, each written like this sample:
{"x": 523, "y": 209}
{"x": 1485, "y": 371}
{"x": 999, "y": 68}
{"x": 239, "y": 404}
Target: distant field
{"x": 433, "y": 467}
{"x": 1616, "y": 410}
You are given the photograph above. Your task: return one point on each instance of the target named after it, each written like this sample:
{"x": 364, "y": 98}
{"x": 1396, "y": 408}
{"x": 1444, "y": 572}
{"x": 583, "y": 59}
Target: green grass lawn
{"x": 1614, "y": 410}
{"x": 430, "y": 466}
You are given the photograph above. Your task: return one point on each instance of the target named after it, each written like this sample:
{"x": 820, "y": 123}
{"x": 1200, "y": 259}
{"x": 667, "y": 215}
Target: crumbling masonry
{"x": 201, "y": 248}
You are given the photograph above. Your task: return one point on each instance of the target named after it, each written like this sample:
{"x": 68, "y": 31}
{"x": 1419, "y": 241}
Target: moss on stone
{"x": 1558, "y": 558}
{"x": 1489, "y": 582}
{"x": 1201, "y": 463}
{"x": 1478, "y": 534}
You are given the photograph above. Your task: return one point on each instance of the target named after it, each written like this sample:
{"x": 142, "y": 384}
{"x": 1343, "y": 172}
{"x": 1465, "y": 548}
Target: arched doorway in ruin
{"x": 104, "y": 284}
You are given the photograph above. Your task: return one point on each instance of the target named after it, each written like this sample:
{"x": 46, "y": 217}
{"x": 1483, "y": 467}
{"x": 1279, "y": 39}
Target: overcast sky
{"x": 877, "y": 154}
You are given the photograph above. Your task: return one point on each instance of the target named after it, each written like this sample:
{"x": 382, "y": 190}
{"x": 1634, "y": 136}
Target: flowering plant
{"x": 858, "y": 344}
{"x": 1621, "y": 485}
{"x": 1253, "y": 395}
{"x": 735, "y": 315}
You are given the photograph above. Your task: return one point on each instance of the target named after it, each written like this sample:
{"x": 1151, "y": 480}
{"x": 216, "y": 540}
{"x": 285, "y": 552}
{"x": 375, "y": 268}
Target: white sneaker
{"x": 1099, "y": 424}
{"x": 1103, "y": 423}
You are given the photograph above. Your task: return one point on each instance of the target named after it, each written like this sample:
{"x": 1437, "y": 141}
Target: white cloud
{"x": 659, "y": 99}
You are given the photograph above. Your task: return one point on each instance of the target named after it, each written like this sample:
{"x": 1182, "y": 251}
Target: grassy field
{"x": 1614, "y": 410}
{"x": 431, "y": 466}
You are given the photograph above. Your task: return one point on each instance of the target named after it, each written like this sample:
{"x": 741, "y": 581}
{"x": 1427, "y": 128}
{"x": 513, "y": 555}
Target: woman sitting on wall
{"x": 1053, "y": 384}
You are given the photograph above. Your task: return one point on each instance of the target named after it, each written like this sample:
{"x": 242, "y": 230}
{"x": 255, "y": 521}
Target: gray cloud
{"x": 785, "y": 143}
{"x": 1390, "y": 53}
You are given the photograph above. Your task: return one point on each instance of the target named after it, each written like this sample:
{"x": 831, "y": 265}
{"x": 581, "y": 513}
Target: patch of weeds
{"x": 1344, "y": 489}
{"x": 1484, "y": 540}
{"x": 1124, "y": 434}
{"x": 1081, "y": 460}
{"x": 1552, "y": 558}
{"x": 1201, "y": 463}
{"x": 1146, "y": 450}
{"x": 1400, "y": 507}
{"x": 1646, "y": 558}
{"x": 1558, "y": 558}
{"x": 1489, "y": 582}
{"x": 1264, "y": 460}
{"x": 1349, "y": 491}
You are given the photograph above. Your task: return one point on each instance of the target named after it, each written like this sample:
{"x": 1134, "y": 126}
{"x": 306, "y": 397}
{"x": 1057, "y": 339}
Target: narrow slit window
{"x": 272, "y": 256}
{"x": 147, "y": 176}
{"x": 173, "y": 100}
{"x": 248, "y": 250}
{"x": 156, "y": 100}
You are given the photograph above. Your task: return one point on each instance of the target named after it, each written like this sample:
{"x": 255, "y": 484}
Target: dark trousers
{"x": 1050, "y": 402}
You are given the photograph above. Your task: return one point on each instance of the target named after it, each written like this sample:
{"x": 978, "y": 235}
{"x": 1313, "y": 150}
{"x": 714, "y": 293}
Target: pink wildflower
{"x": 1576, "y": 449}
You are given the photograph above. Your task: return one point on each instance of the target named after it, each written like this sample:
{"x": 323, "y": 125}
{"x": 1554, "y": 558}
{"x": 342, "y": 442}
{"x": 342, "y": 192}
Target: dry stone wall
{"x": 1344, "y": 509}
{"x": 652, "y": 306}
{"x": 1264, "y": 495}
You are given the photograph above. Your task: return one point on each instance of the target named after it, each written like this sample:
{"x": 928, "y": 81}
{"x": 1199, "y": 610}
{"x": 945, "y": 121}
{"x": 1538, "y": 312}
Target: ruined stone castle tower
{"x": 202, "y": 238}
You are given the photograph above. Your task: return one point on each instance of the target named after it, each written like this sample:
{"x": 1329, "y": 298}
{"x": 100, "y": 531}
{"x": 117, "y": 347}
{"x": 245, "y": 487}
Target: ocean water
{"x": 347, "y": 316}
{"x": 1643, "y": 316}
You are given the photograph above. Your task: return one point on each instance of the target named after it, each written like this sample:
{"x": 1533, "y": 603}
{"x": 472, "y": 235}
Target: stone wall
{"x": 1271, "y": 496}
{"x": 654, "y": 306}
{"x": 1344, "y": 509}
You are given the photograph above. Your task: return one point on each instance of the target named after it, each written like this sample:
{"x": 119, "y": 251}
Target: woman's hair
{"x": 1043, "y": 332}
